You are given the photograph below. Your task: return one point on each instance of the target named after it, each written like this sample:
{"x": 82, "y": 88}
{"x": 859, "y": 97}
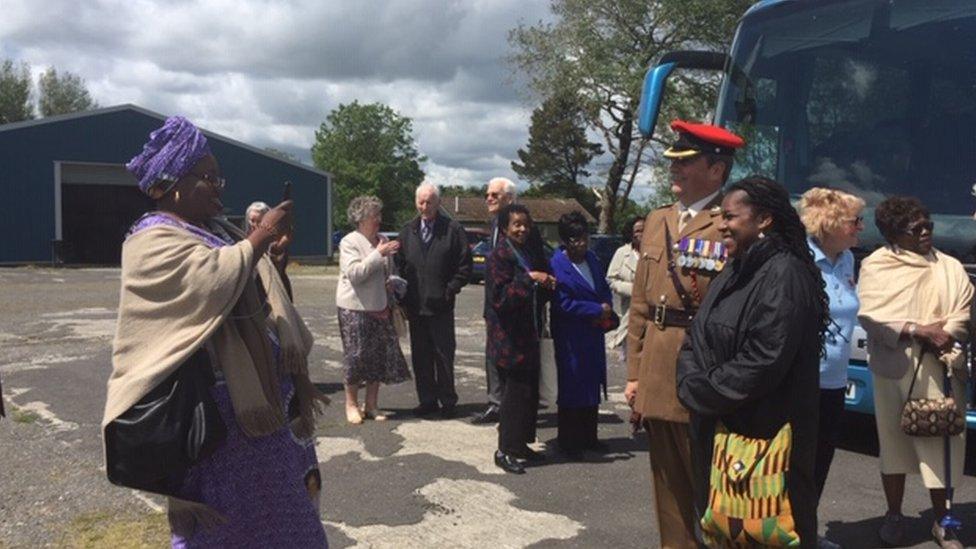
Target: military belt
{"x": 665, "y": 317}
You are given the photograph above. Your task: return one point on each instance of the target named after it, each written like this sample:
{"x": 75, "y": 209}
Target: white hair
{"x": 427, "y": 186}
{"x": 258, "y": 206}
{"x": 508, "y": 187}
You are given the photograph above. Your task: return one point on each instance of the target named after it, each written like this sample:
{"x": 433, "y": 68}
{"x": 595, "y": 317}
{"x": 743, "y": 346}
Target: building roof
{"x": 130, "y": 107}
{"x": 472, "y": 209}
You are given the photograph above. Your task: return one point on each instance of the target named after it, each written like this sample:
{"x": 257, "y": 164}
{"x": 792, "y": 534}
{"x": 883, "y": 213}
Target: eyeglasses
{"x": 216, "y": 182}
{"x": 856, "y": 221}
{"x": 919, "y": 228}
{"x": 578, "y": 241}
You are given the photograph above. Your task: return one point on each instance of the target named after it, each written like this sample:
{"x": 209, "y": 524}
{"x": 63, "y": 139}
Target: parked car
{"x": 476, "y": 235}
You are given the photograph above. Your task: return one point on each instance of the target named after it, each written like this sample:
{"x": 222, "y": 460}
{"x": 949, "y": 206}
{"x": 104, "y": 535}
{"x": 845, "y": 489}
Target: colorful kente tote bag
{"x": 748, "y": 504}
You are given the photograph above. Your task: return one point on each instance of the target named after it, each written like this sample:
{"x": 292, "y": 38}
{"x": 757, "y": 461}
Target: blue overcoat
{"x": 581, "y": 358}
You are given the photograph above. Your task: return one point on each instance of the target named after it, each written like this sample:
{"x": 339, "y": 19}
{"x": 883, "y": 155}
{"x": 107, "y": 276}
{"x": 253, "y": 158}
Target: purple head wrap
{"x": 170, "y": 154}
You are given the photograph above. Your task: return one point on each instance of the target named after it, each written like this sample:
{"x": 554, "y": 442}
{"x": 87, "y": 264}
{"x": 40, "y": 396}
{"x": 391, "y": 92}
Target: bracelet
{"x": 270, "y": 229}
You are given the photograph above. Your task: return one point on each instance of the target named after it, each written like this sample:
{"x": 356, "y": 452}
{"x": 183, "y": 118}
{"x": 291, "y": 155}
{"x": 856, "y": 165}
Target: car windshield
{"x": 870, "y": 96}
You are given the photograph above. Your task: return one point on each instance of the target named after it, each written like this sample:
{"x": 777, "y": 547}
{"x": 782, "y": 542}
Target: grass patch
{"x": 96, "y": 530}
{"x": 19, "y": 415}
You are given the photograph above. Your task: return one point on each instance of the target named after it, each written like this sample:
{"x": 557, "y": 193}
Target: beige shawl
{"x": 897, "y": 286}
{"x": 178, "y": 293}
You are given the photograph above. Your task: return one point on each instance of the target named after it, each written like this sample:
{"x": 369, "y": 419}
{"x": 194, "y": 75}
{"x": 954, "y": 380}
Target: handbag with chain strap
{"x": 931, "y": 417}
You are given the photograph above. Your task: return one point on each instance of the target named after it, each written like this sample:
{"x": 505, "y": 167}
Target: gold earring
{"x": 176, "y": 197}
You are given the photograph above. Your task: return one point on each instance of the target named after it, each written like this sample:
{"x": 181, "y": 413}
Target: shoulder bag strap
{"x": 683, "y": 295}
{"x": 918, "y": 366}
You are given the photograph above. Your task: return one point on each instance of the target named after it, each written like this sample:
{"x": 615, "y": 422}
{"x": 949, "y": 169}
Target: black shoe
{"x": 508, "y": 463}
{"x": 488, "y": 416}
{"x": 448, "y": 412}
{"x": 425, "y": 410}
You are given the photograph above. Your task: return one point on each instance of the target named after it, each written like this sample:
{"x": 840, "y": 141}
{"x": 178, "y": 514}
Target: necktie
{"x": 683, "y": 220}
{"x": 425, "y": 233}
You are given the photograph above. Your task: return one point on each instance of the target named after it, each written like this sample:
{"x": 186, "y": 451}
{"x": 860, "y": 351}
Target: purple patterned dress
{"x": 260, "y": 485}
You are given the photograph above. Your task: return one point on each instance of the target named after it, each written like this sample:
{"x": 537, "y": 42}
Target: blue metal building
{"x": 67, "y": 196}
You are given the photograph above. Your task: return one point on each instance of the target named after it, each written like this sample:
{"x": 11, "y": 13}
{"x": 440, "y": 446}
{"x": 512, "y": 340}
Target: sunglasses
{"x": 216, "y": 182}
{"x": 918, "y": 229}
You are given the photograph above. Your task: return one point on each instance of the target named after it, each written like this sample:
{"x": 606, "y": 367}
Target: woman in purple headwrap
{"x": 196, "y": 288}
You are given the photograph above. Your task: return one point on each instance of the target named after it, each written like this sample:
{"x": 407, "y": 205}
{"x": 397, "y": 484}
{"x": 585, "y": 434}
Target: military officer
{"x": 681, "y": 251}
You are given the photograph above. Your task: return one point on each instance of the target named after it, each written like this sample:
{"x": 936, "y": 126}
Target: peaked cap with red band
{"x": 698, "y": 138}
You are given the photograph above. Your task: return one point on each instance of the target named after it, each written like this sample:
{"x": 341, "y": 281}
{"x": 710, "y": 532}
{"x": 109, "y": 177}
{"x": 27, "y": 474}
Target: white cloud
{"x": 268, "y": 73}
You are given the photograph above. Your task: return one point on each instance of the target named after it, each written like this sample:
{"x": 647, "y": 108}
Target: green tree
{"x": 555, "y": 160}
{"x": 602, "y": 48}
{"x": 63, "y": 93}
{"x": 15, "y": 88}
{"x": 369, "y": 149}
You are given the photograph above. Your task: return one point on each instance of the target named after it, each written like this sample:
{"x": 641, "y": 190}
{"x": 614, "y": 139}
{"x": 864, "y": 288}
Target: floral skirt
{"x": 371, "y": 349}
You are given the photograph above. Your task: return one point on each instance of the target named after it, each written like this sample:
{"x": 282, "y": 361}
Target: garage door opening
{"x": 99, "y": 202}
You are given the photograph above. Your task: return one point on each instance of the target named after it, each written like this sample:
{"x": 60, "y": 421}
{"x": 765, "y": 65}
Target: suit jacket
{"x": 652, "y": 353}
{"x": 435, "y": 272}
{"x": 516, "y": 305}
{"x": 580, "y": 347}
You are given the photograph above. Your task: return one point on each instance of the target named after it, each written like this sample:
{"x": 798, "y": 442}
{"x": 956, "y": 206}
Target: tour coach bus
{"x": 875, "y": 97}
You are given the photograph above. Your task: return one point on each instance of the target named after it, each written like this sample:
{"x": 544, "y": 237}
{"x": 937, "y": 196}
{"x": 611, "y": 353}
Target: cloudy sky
{"x": 268, "y": 72}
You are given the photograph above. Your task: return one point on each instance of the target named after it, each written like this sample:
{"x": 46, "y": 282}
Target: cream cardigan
{"x": 362, "y": 275}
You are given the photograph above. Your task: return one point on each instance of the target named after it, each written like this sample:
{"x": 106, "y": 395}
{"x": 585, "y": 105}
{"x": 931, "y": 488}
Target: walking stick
{"x": 949, "y": 523}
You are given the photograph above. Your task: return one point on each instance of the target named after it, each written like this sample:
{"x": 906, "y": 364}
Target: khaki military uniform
{"x": 658, "y": 319}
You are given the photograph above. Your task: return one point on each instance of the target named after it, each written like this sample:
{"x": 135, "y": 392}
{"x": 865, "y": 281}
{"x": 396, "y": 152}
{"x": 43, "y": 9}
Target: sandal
{"x": 353, "y": 416}
{"x": 375, "y": 415}
{"x": 945, "y": 538}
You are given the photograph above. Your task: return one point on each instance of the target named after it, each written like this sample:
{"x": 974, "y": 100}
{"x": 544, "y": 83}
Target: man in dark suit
{"x": 435, "y": 260}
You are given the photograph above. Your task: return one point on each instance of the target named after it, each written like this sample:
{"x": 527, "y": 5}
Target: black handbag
{"x": 152, "y": 445}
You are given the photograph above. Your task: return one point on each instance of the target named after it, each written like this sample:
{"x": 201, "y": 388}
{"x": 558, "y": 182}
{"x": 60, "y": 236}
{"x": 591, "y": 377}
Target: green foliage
{"x": 62, "y": 93}
{"x": 629, "y": 210}
{"x": 15, "y": 87}
{"x": 558, "y": 152}
{"x": 369, "y": 149}
{"x": 602, "y": 49}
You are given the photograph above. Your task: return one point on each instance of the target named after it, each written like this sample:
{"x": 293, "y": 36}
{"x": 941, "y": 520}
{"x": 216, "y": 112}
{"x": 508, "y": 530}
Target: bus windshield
{"x": 876, "y": 97}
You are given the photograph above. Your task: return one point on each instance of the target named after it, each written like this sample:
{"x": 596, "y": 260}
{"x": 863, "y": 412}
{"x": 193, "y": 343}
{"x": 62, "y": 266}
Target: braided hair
{"x": 764, "y": 195}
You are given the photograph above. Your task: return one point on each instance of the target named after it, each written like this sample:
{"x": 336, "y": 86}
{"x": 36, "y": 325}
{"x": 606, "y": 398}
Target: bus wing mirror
{"x": 655, "y": 78}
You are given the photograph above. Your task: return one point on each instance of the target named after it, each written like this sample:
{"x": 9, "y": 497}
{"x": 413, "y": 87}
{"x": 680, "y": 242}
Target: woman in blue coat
{"x": 581, "y": 313}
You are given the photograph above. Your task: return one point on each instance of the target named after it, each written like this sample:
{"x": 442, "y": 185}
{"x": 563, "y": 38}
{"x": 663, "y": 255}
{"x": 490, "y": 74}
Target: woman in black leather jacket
{"x": 751, "y": 358}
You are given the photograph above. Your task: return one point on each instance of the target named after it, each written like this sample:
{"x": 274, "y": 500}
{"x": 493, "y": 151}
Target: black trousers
{"x": 519, "y": 408}
{"x": 828, "y": 436}
{"x": 576, "y": 427}
{"x": 432, "y": 347}
{"x": 494, "y": 382}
